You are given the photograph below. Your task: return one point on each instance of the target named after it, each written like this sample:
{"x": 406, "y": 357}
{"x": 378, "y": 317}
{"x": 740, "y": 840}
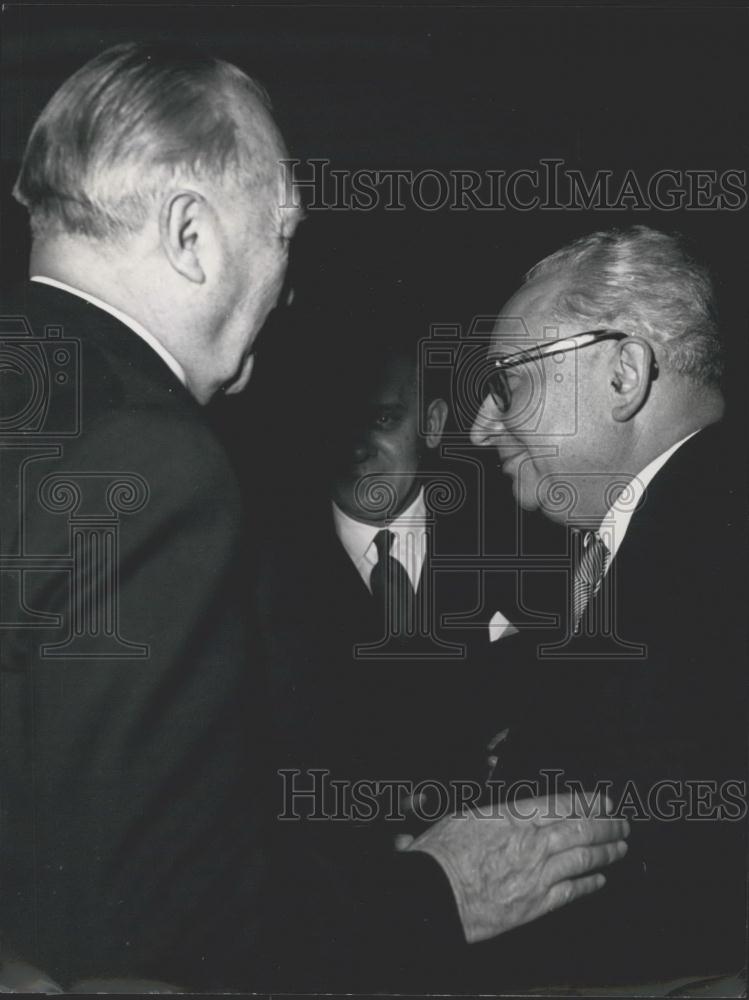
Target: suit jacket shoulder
{"x": 125, "y": 687}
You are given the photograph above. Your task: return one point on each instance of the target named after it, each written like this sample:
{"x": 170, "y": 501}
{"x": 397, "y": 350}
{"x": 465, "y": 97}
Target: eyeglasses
{"x": 496, "y": 383}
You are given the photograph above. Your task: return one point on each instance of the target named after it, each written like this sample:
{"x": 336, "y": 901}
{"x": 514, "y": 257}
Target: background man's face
{"x": 552, "y": 440}
{"x": 376, "y": 466}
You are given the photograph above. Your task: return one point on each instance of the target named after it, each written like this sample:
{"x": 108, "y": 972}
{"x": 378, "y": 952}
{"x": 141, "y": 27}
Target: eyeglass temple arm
{"x": 557, "y": 347}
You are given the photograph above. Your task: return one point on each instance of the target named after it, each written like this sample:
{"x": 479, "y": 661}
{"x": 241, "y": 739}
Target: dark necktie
{"x": 392, "y": 588}
{"x": 591, "y": 557}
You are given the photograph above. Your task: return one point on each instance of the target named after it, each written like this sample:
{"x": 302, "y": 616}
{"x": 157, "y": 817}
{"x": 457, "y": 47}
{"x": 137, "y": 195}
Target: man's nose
{"x": 362, "y": 448}
{"x": 360, "y": 452}
{"x": 488, "y": 423}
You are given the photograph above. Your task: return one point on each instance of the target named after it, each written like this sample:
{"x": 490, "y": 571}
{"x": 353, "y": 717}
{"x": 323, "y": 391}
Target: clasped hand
{"x": 520, "y": 860}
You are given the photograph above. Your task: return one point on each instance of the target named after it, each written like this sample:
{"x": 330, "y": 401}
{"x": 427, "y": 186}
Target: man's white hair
{"x": 643, "y": 282}
{"x": 133, "y": 120}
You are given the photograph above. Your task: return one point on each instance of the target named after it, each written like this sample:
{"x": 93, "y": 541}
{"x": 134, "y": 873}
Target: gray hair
{"x": 134, "y": 119}
{"x": 643, "y": 282}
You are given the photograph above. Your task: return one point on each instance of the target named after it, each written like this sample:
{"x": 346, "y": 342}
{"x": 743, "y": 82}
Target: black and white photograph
{"x": 373, "y": 501}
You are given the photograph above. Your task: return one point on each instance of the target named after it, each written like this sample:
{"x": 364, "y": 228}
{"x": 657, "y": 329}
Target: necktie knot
{"x": 383, "y": 541}
{"x": 591, "y": 557}
{"x": 592, "y": 562}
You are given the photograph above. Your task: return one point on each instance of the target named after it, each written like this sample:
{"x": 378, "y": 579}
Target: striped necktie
{"x": 392, "y": 588}
{"x": 591, "y": 557}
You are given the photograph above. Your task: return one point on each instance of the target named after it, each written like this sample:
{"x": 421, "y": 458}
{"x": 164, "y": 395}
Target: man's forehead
{"x": 269, "y": 161}
{"x": 528, "y": 318}
{"x": 391, "y": 380}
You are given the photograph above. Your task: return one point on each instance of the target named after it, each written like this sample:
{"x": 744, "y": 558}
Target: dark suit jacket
{"x": 674, "y": 906}
{"x": 373, "y": 918}
{"x": 128, "y": 843}
{"x": 673, "y": 712}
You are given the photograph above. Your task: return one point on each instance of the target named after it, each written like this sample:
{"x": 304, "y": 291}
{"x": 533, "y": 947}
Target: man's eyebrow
{"x": 499, "y": 354}
{"x": 493, "y": 356}
{"x": 394, "y": 407}
{"x": 292, "y": 217}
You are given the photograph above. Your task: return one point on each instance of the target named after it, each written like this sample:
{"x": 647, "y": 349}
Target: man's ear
{"x": 631, "y": 378}
{"x": 182, "y": 218}
{"x": 435, "y": 423}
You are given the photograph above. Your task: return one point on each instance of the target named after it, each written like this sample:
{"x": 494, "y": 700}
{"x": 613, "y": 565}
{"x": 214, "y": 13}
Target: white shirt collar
{"x": 128, "y": 321}
{"x": 616, "y": 522}
{"x": 409, "y": 548}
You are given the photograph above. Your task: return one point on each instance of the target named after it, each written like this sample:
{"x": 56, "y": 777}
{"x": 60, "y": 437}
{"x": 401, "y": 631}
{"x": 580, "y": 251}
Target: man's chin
{"x": 239, "y": 382}
{"x": 363, "y": 509}
{"x": 526, "y": 497}
{"x": 369, "y": 498}
{"x": 365, "y": 517}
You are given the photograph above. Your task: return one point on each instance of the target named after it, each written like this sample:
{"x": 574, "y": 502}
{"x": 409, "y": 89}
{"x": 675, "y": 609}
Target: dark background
{"x": 442, "y": 87}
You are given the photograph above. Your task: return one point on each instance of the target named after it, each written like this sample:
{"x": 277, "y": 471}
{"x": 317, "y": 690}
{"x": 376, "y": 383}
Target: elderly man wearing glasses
{"x": 602, "y": 399}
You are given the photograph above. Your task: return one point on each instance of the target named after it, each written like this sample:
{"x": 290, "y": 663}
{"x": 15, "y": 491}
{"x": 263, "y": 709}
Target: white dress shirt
{"x": 128, "y": 321}
{"x": 409, "y": 547}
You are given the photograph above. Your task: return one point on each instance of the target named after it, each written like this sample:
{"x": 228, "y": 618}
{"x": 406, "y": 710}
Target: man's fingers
{"x": 581, "y": 860}
{"x": 566, "y": 892}
{"x": 578, "y": 832}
